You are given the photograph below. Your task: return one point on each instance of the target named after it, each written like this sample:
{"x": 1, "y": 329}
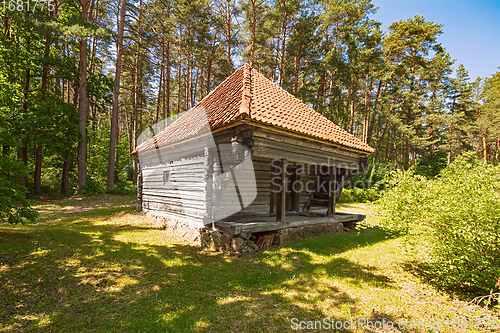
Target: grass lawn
{"x": 98, "y": 267}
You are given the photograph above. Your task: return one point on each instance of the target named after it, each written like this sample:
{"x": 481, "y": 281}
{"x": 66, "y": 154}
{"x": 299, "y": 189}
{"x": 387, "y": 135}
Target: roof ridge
{"x": 246, "y": 94}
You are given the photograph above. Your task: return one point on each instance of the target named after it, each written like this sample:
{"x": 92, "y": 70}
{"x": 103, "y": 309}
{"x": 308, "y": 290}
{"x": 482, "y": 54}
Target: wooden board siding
{"x": 183, "y": 196}
{"x": 272, "y": 145}
{"x": 260, "y": 204}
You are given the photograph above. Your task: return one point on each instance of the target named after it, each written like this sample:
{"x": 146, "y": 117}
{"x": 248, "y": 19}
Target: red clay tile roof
{"x": 248, "y": 94}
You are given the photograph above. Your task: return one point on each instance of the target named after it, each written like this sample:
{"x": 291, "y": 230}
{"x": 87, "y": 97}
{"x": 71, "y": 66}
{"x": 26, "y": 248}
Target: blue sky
{"x": 471, "y": 28}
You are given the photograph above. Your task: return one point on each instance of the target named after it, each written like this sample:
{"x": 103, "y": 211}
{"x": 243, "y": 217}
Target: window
{"x": 166, "y": 176}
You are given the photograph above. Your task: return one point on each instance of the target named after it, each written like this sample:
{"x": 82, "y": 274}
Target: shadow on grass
{"x": 329, "y": 245}
{"x": 72, "y": 274}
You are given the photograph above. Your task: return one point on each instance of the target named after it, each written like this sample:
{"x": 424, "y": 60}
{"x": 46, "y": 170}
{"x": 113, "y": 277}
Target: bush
{"x": 93, "y": 187}
{"x": 346, "y": 196}
{"x": 456, "y": 215}
{"x": 358, "y": 195}
{"x": 126, "y": 187}
{"x": 14, "y": 207}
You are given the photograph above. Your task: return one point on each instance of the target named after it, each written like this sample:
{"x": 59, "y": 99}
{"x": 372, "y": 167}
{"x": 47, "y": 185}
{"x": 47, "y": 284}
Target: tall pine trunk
{"x": 45, "y": 83}
{"x": 166, "y": 86}
{"x": 65, "y": 174}
{"x": 22, "y": 153}
{"x": 254, "y": 22}
{"x": 228, "y": 26}
{"x": 116, "y": 92}
{"x": 83, "y": 107}
{"x": 134, "y": 111}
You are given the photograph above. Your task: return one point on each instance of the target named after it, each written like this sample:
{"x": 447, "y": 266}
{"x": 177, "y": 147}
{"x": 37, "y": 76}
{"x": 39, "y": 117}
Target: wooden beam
{"x": 332, "y": 192}
{"x": 265, "y": 152}
{"x": 236, "y": 228}
{"x": 281, "y": 207}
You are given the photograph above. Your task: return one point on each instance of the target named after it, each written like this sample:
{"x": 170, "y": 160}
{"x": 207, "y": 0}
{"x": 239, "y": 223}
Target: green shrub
{"x": 346, "y": 196}
{"x": 358, "y": 195}
{"x": 126, "y": 187}
{"x": 14, "y": 207}
{"x": 93, "y": 187}
{"x": 456, "y": 215}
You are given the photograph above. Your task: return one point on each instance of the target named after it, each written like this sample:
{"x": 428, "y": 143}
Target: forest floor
{"x": 93, "y": 265}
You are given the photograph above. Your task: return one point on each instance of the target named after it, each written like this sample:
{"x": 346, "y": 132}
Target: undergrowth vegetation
{"x": 456, "y": 216}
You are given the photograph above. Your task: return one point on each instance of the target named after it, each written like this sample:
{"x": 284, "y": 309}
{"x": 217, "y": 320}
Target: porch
{"x": 245, "y": 227}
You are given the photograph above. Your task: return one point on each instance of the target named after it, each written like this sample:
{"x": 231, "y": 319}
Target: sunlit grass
{"x": 106, "y": 270}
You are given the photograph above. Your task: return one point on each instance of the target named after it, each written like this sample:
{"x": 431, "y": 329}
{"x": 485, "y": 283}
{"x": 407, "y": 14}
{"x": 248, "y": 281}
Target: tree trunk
{"x": 134, "y": 111}
{"x": 166, "y": 93}
{"x": 283, "y": 44}
{"x": 370, "y": 128}
{"x": 23, "y": 151}
{"x": 116, "y": 93}
{"x": 160, "y": 91}
{"x": 496, "y": 152}
{"x": 166, "y": 73}
{"x": 228, "y": 25}
{"x": 254, "y": 22}
{"x": 22, "y": 154}
{"x": 45, "y": 83}
{"x": 38, "y": 169}
{"x": 179, "y": 70}
{"x": 485, "y": 150}
{"x": 187, "y": 81}
{"x": 83, "y": 108}
{"x": 209, "y": 66}
{"x": 350, "y": 98}
{"x": 65, "y": 174}
{"x": 395, "y": 152}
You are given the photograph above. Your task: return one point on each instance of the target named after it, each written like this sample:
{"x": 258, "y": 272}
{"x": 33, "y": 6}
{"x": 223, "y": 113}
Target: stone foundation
{"x": 285, "y": 236}
{"x": 217, "y": 241}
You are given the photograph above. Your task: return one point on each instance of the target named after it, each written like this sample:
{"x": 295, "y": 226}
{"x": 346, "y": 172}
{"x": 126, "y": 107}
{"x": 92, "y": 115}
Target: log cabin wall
{"x": 234, "y": 147}
{"x": 275, "y": 145}
{"x": 177, "y": 190}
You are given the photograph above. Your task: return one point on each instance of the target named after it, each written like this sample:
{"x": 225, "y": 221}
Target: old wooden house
{"x": 250, "y": 157}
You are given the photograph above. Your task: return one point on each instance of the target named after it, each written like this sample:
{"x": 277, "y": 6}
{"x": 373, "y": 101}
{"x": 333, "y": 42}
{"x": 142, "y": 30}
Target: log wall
{"x": 182, "y": 196}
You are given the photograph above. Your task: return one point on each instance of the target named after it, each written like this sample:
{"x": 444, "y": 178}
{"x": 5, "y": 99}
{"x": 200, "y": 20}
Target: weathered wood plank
{"x": 162, "y": 157}
{"x": 294, "y": 157}
{"x": 174, "y": 209}
{"x": 175, "y": 193}
{"x": 288, "y": 148}
{"x": 283, "y": 138}
{"x": 254, "y": 208}
{"x": 238, "y": 227}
